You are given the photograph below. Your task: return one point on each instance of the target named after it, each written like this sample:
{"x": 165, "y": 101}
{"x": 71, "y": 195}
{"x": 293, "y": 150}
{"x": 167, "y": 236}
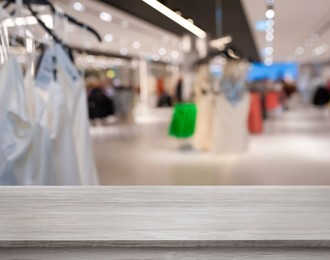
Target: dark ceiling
{"x": 216, "y": 17}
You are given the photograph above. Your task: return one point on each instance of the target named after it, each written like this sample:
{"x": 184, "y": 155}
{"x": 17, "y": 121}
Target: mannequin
{"x": 204, "y": 103}
{"x": 232, "y": 107}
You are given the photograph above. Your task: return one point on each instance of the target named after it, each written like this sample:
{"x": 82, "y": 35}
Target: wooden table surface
{"x": 165, "y": 216}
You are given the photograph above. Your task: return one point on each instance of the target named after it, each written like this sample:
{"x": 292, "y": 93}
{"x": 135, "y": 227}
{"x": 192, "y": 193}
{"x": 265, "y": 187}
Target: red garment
{"x": 272, "y": 100}
{"x": 255, "y": 115}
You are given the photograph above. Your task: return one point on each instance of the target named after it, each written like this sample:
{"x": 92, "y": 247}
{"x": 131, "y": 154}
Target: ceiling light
{"x": 176, "y": 18}
{"x": 270, "y": 14}
{"x": 136, "y": 45}
{"x": 155, "y": 57}
{"x": 162, "y": 51}
{"x": 270, "y": 23}
{"x": 123, "y": 51}
{"x": 175, "y": 55}
{"x": 104, "y": 16}
{"x": 190, "y": 20}
{"x": 270, "y": 30}
{"x": 269, "y": 37}
{"x": 108, "y": 38}
{"x": 300, "y": 51}
{"x": 269, "y": 50}
{"x": 78, "y": 7}
{"x": 269, "y": 62}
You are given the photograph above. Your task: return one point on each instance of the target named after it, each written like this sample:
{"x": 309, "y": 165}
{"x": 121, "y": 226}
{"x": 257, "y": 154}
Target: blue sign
{"x": 277, "y": 71}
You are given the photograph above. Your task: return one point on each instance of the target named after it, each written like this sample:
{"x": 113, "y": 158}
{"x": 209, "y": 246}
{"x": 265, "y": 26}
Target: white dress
{"x": 76, "y": 98}
{"x": 204, "y": 102}
{"x": 24, "y": 145}
{"x": 230, "y": 125}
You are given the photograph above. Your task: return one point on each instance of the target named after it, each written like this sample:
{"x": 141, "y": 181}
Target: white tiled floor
{"x": 294, "y": 150}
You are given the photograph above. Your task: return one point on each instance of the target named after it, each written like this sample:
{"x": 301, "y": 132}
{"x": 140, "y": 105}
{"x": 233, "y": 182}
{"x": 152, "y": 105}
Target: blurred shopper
{"x": 322, "y": 96}
{"x": 179, "y": 91}
{"x": 99, "y": 105}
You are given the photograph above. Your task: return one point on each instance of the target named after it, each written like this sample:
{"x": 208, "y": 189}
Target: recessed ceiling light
{"x": 136, "y": 45}
{"x": 176, "y": 18}
{"x": 162, "y": 51}
{"x": 175, "y": 55}
{"x": 190, "y": 20}
{"x": 269, "y": 37}
{"x": 123, "y": 51}
{"x": 104, "y": 16}
{"x": 269, "y": 50}
{"x": 108, "y": 37}
{"x": 270, "y": 14}
{"x": 155, "y": 57}
{"x": 78, "y": 7}
{"x": 300, "y": 51}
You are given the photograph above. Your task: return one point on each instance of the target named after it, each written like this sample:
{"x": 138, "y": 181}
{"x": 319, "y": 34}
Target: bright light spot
{"x": 270, "y": 23}
{"x": 268, "y": 62}
{"x": 175, "y": 55}
{"x": 270, "y": 30}
{"x": 108, "y": 38}
{"x": 162, "y": 51}
{"x": 269, "y": 37}
{"x": 104, "y": 16}
{"x": 136, "y": 45}
{"x": 111, "y": 74}
{"x": 123, "y": 51}
{"x": 269, "y": 50}
{"x": 300, "y": 51}
{"x": 190, "y": 20}
{"x": 155, "y": 57}
{"x": 79, "y": 7}
{"x": 270, "y": 14}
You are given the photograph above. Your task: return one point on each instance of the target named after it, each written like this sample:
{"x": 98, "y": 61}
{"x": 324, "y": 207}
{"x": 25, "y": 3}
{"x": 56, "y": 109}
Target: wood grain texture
{"x": 164, "y": 217}
{"x": 165, "y": 253}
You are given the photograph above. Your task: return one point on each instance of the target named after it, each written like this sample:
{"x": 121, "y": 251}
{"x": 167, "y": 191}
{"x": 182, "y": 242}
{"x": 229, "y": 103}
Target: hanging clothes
{"x": 183, "y": 121}
{"x": 64, "y": 156}
{"x": 205, "y": 106}
{"x": 255, "y": 114}
{"x": 76, "y": 95}
{"x": 230, "y": 125}
{"x": 232, "y": 109}
{"x": 25, "y": 144}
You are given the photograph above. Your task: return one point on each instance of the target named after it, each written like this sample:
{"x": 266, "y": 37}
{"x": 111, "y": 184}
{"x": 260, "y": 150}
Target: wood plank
{"x": 165, "y": 216}
{"x": 165, "y": 253}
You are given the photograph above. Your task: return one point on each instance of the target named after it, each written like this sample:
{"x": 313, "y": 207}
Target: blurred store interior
{"x": 168, "y": 92}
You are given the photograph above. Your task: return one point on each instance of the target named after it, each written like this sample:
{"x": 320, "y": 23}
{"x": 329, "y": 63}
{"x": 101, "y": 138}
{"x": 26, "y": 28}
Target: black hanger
{"x": 28, "y": 3}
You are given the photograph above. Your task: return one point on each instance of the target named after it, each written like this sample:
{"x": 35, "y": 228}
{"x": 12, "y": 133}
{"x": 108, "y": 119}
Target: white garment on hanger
{"x": 205, "y": 107}
{"x": 63, "y": 146}
{"x": 230, "y": 125}
{"x": 17, "y": 131}
{"x": 76, "y": 98}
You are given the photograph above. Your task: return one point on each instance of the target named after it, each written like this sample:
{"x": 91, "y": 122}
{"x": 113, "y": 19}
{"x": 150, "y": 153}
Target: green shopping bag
{"x": 183, "y": 120}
